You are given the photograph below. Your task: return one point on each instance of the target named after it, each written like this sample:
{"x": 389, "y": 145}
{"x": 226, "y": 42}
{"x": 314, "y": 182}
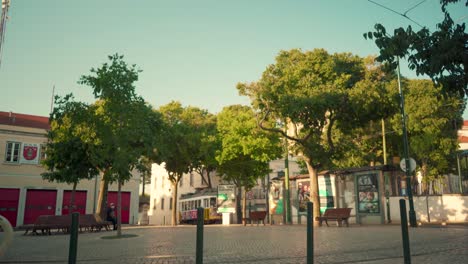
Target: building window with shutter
{"x": 12, "y": 152}
{"x": 170, "y": 204}
{"x": 43, "y": 152}
{"x": 162, "y": 203}
{"x": 191, "y": 179}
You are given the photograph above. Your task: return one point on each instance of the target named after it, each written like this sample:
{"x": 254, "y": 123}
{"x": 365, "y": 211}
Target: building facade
{"x": 24, "y": 195}
{"x": 161, "y": 190}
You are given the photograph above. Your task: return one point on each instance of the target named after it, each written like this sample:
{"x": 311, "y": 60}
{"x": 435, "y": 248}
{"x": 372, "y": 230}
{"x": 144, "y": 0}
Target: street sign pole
{"x": 412, "y": 213}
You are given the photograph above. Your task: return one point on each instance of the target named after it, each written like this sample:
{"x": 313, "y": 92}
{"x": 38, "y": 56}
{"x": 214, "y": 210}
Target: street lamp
{"x": 412, "y": 213}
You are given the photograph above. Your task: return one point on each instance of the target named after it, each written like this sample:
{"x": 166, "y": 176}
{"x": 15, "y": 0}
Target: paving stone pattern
{"x": 250, "y": 244}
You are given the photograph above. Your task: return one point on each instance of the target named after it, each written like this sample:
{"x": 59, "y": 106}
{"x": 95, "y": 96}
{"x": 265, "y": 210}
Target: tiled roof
{"x": 15, "y": 119}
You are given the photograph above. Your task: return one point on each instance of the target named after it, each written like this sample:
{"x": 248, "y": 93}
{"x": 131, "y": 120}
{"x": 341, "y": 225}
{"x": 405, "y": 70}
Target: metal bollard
{"x": 73, "y": 238}
{"x": 200, "y": 220}
{"x": 404, "y": 232}
{"x": 310, "y": 233}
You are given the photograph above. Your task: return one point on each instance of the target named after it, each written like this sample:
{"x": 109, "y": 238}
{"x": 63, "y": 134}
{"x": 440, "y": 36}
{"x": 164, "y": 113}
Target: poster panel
{"x": 326, "y": 193}
{"x": 303, "y": 188}
{"x": 30, "y": 153}
{"x": 368, "y": 192}
{"x": 226, "y": 199}
{"x": 276, "y": 198}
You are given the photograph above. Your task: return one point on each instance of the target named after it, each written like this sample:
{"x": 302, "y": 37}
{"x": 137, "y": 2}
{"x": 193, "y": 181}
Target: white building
{"x": 160, "y": 211}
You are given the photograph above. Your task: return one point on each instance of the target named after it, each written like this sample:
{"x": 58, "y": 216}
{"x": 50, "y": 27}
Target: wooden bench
{"x": 46, "y": 223}
{"x": 256, "y": 216}
{"x": 340, "y": 215}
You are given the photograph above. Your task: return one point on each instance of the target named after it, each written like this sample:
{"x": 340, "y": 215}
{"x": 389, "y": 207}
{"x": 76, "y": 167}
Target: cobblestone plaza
{"x": 250, "y": 244}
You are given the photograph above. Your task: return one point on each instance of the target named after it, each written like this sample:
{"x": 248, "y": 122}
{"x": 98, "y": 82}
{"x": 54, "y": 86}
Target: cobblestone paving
{"x": 250, "y": 244}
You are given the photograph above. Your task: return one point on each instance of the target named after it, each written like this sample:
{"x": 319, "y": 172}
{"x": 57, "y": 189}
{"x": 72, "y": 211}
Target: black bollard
{"x": 404, "y": 232}
{"x": 310, "y": 233}
{"x": 200, "y": 220}
{"x": 73, "y": 238}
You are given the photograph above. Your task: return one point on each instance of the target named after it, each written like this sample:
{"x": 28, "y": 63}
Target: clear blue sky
{"x": 191, "y": 51}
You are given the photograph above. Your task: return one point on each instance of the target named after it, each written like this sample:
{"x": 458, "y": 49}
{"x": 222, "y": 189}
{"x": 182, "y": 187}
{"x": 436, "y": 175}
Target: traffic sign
{"x": 412, "y": 164}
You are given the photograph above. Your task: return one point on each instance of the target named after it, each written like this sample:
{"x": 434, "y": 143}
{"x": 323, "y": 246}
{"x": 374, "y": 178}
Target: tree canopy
{"x": 433, "y": 121}
{"x": 246, "y": 149}
{"x": 321, "y": 96}
{"x": 442, "y": 54}
{"x": 126, "y": 128}
{"x": 70, "y": 147}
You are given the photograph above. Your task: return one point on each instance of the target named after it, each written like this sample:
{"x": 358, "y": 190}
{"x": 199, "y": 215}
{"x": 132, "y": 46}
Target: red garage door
{"x": 112, "y": 198}
{"x": 80, "y": 202}
{"x": 39, "y": 202}
{"x": 9, "y": 204}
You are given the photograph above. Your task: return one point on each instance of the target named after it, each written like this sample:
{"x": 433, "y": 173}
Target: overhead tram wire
{"x": 401, "y": 14}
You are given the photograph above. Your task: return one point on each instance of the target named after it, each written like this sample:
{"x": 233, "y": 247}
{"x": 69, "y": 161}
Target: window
{"x": 191, "y": 179}
{"x": 162, "y": 203}
{"x": 12, "y": 152}
{"x": 43, "y": 152}
{"x": 170, "y": 204}
{"x": 154, "y": 204}
{"x": 181, "y": 181}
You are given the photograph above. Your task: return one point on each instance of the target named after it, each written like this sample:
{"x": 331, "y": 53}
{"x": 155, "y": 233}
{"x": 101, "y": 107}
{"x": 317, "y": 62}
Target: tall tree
{"x": 442, "y": 54}
{"x": 206, "y": 138}
{"x": 70, "y": 145}
{"x": 246, "y": 150}
{"x": 433, "y": 121}
{"x": 125, "y": 125}
{"x": 321, "y": 96}
{"x": 179, "y": 147}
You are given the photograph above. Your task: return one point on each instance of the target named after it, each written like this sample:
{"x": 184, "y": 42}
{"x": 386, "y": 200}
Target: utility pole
{"x": 3, "y": 19}
{"x": 412, "y": 213}
{"x": 286, "y": 178}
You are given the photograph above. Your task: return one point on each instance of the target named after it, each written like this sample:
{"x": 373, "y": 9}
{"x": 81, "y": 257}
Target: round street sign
{"x": 412, "y": 163}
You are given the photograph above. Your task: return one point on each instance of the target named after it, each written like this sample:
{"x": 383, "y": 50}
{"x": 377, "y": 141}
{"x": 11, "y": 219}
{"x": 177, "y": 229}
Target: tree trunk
{"x": 209, "y": 179}
{"x": 424, "y": 173}
{"x": 102, "y": 198}
{"x": 119, "y": 209}
{"x": 244, "y": 207}
{"x": 72, "y": 199}
{"x": 314, "y": 191}
{"x": 144, "y": 183}
{"x": 238, "y": 205}
{"x": 174, "y": 203}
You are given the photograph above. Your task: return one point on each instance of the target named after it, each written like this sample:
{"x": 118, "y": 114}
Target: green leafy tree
{"x": 321, "y": 96}
{"x": 205, "y": 137}
{"x": 433, "y": 121}
{"x": 180, "y": 146}
{"x": 69, "y": 148}
{"x": 246, "y": 150}
{"x": 440, "y": 54}
{"x": 125, "y": 125}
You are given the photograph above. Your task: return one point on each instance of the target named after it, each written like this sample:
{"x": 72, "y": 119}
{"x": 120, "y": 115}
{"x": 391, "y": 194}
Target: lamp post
{"x": 412, "y": 213}
{"x": 286, "y": 178}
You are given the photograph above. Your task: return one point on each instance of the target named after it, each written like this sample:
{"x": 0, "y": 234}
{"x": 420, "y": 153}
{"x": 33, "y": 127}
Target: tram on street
{"x": 189, "y": 203}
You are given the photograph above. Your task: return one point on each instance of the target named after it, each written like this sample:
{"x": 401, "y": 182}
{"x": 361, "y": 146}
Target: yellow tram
{"x": 189, "y": 203}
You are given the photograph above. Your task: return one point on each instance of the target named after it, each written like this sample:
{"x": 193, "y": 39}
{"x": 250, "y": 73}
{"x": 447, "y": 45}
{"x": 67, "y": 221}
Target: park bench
{"x": 257, "y": 216}
{"x": 46, "y": 223}
{"x": 340, "y": 215}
